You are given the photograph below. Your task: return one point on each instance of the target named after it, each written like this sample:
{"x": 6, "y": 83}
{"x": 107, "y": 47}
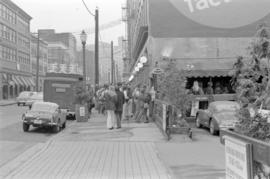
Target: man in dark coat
{"x": 119, "y": 106}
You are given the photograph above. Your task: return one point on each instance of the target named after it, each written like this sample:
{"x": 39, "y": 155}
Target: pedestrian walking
{"x": 144, "y": 101}
{"x": 119, "y": 106}
{"x": 110, "y": 101}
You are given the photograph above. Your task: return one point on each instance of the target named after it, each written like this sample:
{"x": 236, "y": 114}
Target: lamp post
{"x": 83, "y": 39}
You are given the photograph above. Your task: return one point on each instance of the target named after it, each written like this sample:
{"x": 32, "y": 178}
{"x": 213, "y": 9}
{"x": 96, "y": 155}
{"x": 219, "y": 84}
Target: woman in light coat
{"x": 110, "y": 101}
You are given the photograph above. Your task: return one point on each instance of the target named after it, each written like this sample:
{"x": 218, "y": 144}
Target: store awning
{"x": 31, "y": 81}
{"x": 4, "y": 78}
{"x": 24, "y": 81}
{"x": 207, "y": 73}
{"x": 27, "y": 81}
{"x": 17, "y": 80}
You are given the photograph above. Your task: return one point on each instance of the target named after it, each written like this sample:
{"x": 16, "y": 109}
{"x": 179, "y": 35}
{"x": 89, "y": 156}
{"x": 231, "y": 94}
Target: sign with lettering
{"x": 58, "y": 85}
{"x": 82, "y": 111}
{"x": 238, "y": 158}
{"x": 210, "y": 12}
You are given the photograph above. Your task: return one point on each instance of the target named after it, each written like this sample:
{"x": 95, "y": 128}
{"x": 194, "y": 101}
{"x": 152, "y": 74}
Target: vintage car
{"x": 44, "y": 114}
{"x": 24, "y": 97}
{"x": 218, "y": 115}
{"x": 37, "y": 97}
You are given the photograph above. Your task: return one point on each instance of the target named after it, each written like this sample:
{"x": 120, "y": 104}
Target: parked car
{"x": 218, "y": 115}
{"x": 37, "y": 97}
{"x": 44, "y": 114}
{"x": 24, "y": 97}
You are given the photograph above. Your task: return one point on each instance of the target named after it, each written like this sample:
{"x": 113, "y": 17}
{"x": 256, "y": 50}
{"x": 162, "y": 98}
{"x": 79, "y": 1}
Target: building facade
{"x": 90, "y": 65}
{"x": 43, "y": 60}
{"x": 67, "y": 39}
{"x": 161, "y": 30}
{"x": 15, "y": 37}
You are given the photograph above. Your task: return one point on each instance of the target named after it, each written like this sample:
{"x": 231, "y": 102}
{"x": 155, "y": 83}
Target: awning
{"x": 17, "y": 80}
{"x": 24, "y": 81}
{"x": 4, "y": 78}
{"x": 207, "y": 73}
{"x": 27, "y": 81}
{"x": 11, "y": 83}
{"x": 31, "y": 81}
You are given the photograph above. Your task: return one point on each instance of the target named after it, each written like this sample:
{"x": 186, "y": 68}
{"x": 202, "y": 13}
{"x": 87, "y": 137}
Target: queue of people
{"x": 121, "y": 103}
{"x": 197, "y": 89}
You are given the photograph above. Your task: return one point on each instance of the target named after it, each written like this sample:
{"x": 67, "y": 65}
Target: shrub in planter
{"x": 251, "y": 81}
{"x": 82, "y": 96}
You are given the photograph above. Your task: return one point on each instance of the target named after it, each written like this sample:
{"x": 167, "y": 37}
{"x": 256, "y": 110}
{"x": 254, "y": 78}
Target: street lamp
{"x": 83, "y": 39}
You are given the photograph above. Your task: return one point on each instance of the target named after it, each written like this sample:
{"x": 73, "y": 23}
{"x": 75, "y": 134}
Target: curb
{"x": 8, "y": 104}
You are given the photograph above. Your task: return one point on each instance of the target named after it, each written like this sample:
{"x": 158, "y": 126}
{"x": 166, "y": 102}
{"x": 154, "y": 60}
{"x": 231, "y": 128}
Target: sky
{"x": 72, "y": 16}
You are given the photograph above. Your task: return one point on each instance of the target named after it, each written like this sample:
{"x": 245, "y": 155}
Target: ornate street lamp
{"x": 83, "y": 37}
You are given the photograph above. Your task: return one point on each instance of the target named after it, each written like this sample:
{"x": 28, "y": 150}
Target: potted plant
{"x": 82, "y": 96}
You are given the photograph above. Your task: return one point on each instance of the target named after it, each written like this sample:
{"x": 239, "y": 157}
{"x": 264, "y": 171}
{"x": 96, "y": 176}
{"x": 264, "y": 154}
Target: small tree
{"x": 172, "y": 86}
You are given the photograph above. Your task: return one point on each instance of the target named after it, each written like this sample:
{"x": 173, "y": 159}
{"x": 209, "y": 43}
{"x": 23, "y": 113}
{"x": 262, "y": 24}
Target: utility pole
{"x": 96, "y": 50}
{"x": 112, "y": 63}
{"x": 37, "y": 70}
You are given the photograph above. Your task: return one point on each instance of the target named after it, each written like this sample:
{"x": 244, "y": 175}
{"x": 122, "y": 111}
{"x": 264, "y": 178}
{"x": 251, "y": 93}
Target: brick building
{"x": 15, "y": 37}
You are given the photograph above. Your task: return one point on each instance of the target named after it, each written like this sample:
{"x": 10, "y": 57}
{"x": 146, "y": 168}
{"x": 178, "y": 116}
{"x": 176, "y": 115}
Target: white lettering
{"x": 212, "y": 3}
{"x": 190, "y": 5}
{"x": 202, "y": 4}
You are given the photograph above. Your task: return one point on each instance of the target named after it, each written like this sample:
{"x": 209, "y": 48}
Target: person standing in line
{"x": 110, "y": 101}
{"x": 125, "y": 106}
{"x": 119, "y": 106}
{"x": 136, "y": 94}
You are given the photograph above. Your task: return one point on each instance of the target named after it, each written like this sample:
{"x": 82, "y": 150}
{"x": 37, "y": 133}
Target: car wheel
{"x": 64, "y": 125}
{"x": 25, "y": 127}
{"x": 56, "y": 128}
{"x": 212, "y": 128}
{"x": 18, "y": 104}
{"x": 198, "y": 125}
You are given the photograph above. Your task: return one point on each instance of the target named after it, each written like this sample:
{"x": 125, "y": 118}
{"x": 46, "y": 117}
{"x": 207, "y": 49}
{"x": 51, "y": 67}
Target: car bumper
{"x": 40, "y": 123}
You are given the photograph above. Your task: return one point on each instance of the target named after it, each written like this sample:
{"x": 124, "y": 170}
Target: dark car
{"x": 218, "y": 115}
{"x": 44, "y": 114}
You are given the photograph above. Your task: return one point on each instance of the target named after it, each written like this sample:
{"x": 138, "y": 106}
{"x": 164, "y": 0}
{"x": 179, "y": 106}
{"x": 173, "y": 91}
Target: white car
{"x": 24, "y": 97}
{"x": 34, "y": 98}
{"x": 265, "y": 112}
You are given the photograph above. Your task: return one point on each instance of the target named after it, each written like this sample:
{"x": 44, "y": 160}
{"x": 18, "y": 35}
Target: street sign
{"x": 238, "y": 159}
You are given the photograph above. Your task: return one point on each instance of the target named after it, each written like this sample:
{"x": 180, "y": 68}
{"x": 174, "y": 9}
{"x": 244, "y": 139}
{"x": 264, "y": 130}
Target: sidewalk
{"x": 7, "y": 102}
{"x": 89, "y": 150}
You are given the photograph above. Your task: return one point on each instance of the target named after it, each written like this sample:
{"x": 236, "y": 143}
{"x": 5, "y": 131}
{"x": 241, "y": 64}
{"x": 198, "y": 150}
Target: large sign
{"x": 223, "y": 13}
{"x": 238, "y": 159}
{"x": 207, "y": 18}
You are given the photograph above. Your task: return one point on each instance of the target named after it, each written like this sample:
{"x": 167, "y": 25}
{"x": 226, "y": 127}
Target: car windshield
{"x": 37, "y": 96}
{"x": 24, "y": 94}
{"x": 226, "y": 107}
{"x": 43, "y": 107}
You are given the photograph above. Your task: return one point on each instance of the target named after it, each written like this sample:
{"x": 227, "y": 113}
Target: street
{"x": 180, "y": 156}
{"x": 13, "y": 141}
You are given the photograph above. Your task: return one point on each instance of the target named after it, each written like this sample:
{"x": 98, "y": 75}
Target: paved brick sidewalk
{"x": 89, "y": 150}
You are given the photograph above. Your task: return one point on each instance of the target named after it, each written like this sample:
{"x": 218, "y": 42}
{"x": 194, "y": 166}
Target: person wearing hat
{"x": 209, "y": 89}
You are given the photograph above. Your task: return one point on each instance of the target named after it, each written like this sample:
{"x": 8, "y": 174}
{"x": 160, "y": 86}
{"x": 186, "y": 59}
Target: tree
{"x": 172, "y": 85}
{"x": 251, "y": 81}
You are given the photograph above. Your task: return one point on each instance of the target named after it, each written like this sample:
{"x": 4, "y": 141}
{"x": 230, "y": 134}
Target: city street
{"x": 177, "y": 158}
{"x": 13, "y": 141}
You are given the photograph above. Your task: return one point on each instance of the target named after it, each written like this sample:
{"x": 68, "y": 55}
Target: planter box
{"x": 81, "y": 113}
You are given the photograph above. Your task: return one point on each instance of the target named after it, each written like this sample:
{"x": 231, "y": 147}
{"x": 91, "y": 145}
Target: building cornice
{"x": 15, "y": 7}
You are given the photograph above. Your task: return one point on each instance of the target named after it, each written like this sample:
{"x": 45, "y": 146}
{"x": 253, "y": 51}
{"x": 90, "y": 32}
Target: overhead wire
{"x": 88, "y": 9}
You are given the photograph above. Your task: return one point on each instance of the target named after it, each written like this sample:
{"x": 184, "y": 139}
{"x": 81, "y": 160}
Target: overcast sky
{"x": 72, "y": 16}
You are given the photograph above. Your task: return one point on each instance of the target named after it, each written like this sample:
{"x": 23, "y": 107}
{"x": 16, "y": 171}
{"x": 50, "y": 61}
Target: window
{"x": 7, "y": 53}
{"x": 7, "y": 14}
{"x": 23, "y": 41}
{"x": 7, "y": 33}
{"x": 23, "y": 57}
